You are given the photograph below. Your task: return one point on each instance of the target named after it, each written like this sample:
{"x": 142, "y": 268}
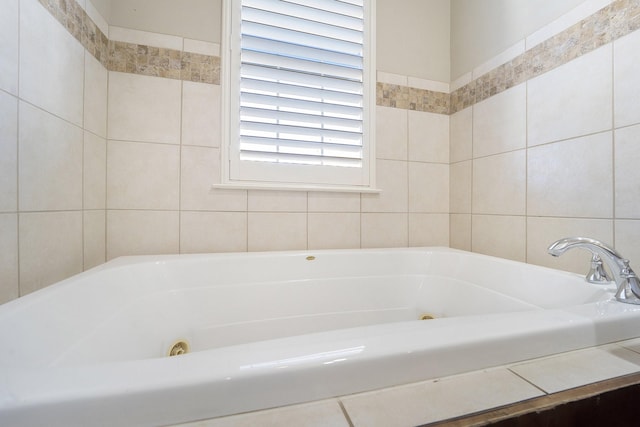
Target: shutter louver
{"x": 301, "y": 82}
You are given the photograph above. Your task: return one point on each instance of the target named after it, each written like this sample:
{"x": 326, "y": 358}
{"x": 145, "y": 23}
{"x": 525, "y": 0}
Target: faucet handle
{"x": 597, "y": 273}
{"x": 626, "y": 270}
{"x": 629, "y": 289}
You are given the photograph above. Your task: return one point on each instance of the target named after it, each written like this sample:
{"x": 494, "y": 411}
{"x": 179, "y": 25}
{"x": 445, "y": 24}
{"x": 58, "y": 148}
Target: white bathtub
{"x": 271, "y": 329}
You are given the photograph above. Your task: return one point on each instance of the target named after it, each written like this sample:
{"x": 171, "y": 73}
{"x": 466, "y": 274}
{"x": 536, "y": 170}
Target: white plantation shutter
{"x": 300, "y": 93}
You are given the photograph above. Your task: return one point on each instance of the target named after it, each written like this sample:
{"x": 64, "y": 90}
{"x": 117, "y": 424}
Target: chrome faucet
{"x": 624, "y": 277}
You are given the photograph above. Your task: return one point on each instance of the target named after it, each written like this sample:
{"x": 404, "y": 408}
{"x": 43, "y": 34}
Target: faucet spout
{"x": 626, "y": 280}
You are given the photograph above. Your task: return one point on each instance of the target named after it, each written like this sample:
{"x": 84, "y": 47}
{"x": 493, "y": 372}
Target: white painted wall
{"x": 194, "y": 19}
{"x": 413, "y": 38}
{"x": 103, "y": 6}
{"x": 481, "y": 29}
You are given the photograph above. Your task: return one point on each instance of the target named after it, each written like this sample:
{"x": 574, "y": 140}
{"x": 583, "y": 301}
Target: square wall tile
{"x": 95, "y": 96}
{"x": 561, "y": 106}
{"x": 627, "y": 172}
{"x": 428, "y": 188}
{"x": 428, "y": 229}
{"x": 201, "y": 47}
{"x": 205, "y": 232}
{"x": 321, "y": 201}
{"x": 334, "y": 230}
{"x": 201, "y": 114}
{"x": 578, "y": 368}
{"x": 391, "y": 78}
{"x": 431, "y": 401}
{"x": 132, "y": 232}
{"x": 391, "y": 133}
{"x": 59, "y": 90}
{"x": 384, "y": 230}
{"x": 148, "y": 38}
{"x": 460, "y": 184}
{"x": 500, "y": 122}
{"x": 460, "y": 231}
{"x": 626, "y": 79}
{"x": 277, "y": 231}
{"x": 50, "y": 248}
{"x": 49, "y": 160}
{"x": 144, "y": 108}
{"x": 8, "y": 153}
{"x": 433, "y": 85}
{"x": 627, "y": 236}
{"x": 461, "y": 135}
{"x": 142, "y": 176}
{"x": 499, "y": 184}
{"x": 500, "y": 236}
{"x": 563, "y": 178}
{"x": 9, "y": 260}
{"x": 94, "y": 234}
{"x": 542, "y": 232}
{"x": 9, "y": 46}
{"x": 95, "y": 171}
{"x": 200, "y": 170}
{"x": 277, "y": 201}
{"x": 391, "y": 177}
{"x": 428, "y": 135}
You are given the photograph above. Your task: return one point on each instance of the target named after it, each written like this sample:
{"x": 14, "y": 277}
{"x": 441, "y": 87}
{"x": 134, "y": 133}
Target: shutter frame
{"x": 284, "y": 144}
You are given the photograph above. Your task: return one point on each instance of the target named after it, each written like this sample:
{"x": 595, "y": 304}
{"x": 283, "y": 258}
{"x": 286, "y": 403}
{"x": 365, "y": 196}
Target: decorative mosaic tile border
{"x": 131, "y": 57}
{"x": 409, "y": 98}
{"x": 616, "y": 20}
{"x": 161, "y": 62}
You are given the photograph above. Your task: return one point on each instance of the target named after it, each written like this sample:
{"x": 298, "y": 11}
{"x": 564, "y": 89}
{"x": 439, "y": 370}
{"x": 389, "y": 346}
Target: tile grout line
{"x": 180, "y": 155}
{"x": 527, "y": 380}
{"x": 18, "y": 216}
{"x": 613, "y": 144}
{"x": 345, "y": 413}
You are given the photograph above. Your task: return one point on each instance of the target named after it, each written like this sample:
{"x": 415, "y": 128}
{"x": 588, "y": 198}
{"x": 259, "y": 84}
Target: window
{"x": 299, "y": 82}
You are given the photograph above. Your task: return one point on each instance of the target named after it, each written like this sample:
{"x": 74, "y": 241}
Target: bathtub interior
{"x": 135, "y": 308}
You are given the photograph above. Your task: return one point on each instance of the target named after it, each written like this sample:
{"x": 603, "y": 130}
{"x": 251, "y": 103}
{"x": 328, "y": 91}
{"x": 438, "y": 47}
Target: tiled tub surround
{"x": 52, "y": 151}
{"x": 153, "y": 194}
{"x": 550, "y": 153}
{"x": 492, "y": 139}
{"x": 151, "y": 152}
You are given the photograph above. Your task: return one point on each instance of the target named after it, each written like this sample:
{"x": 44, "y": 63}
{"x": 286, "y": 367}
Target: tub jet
{"x": 178, "y": 348}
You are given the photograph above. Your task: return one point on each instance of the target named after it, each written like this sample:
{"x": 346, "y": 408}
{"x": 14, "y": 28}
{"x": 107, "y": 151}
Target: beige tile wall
{"x": 554, "y": 156}
{"x": 111, "y": 153}
{"x": 163, "y": 155}
{"x": 52, "y": 151}
{"x": 99, "y": 163}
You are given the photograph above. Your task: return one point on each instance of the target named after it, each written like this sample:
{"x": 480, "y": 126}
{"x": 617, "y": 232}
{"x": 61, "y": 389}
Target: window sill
{"x": 296, "y": 187}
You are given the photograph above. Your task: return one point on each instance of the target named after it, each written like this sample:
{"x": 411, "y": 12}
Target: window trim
{"x": 230, "y": 63}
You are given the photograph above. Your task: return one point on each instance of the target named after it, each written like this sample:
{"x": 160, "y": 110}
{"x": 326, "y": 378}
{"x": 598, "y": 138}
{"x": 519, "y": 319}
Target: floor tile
{"x": 437, "y": 400}
{"x": 578, "y": 368}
